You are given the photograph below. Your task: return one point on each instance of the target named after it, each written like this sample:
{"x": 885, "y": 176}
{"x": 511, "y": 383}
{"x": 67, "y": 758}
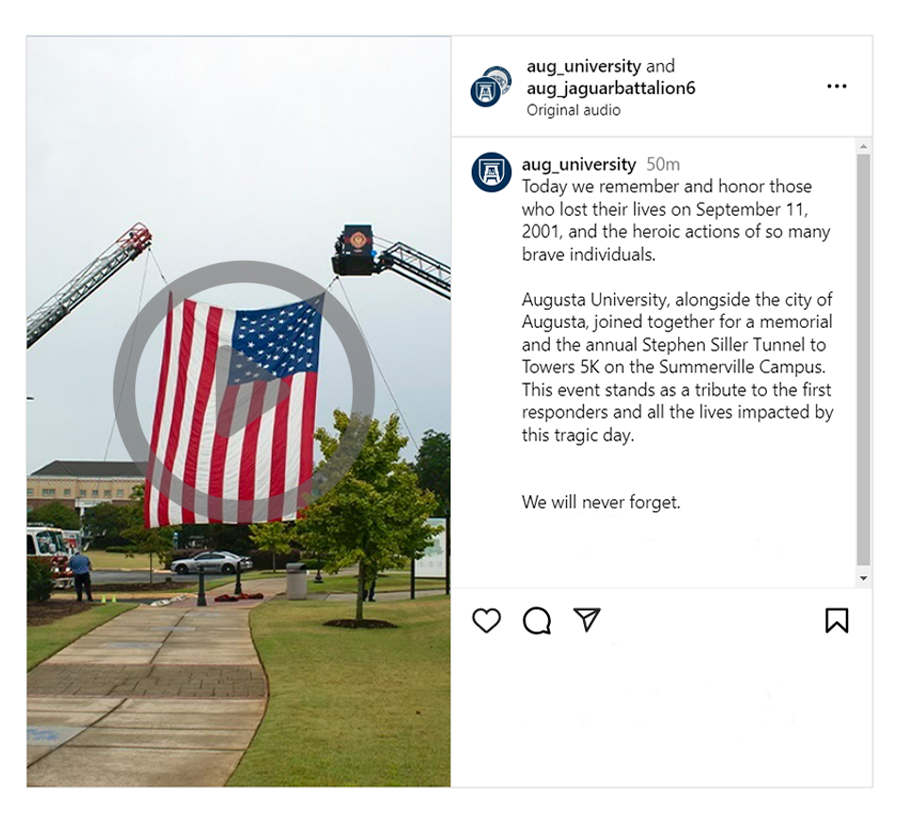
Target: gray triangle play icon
{"x": 252, "y": 392}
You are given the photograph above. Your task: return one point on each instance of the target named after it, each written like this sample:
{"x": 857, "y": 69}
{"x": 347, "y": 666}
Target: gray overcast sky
{"x": 232, "y": 149}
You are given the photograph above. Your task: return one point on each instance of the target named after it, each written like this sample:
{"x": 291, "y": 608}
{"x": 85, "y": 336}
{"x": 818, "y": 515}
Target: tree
{"x": 375, "y": 516}
{"x": 106, "y": 523}
{"x": 272, "y": 537}
{"x": 153, "y": 541}
{"x": 56, "y": 514}
{"x": 232, "y": 537}
{"x": 40, "y": 580}
{"x": 433, "y": 468}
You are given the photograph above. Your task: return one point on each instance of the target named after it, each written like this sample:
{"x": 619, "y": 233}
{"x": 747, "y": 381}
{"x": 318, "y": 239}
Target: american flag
{"x": 235, "y": 413}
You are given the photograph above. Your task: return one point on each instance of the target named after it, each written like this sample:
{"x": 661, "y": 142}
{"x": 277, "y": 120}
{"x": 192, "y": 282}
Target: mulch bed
{"x": 373, "y": 624}
{"x": 49, "y": 611}
{"x": 138, "y": 587}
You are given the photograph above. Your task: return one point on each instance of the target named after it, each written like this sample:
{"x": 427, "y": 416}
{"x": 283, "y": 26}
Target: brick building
{"x": 82, "y": 484}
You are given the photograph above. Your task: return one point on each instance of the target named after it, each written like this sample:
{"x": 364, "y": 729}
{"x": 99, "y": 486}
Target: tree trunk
{"x": 360, "y": 591}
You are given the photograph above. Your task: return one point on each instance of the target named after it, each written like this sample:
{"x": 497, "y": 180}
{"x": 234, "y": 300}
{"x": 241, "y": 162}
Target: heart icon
{"x": 487, "y": 620}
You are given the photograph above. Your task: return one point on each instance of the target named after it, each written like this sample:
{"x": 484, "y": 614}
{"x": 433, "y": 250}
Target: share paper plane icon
{"x": 588, "y": 616}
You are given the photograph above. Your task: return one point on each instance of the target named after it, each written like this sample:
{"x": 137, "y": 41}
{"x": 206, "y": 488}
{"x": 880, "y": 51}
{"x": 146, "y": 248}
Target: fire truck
{"x": 48, "y": 545}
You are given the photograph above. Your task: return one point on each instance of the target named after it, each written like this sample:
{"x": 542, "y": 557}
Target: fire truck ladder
{"x": 354, "y": 254}
{"x": 89, "y": 280}
{"x": 418, "y": 267}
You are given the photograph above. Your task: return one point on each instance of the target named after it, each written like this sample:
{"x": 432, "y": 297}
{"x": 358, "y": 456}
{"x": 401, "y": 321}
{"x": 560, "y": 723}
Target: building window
{"x": 120, "y": 494}
{"x": 107, "y": 494}
{"x": 48, "y": 492}
{"x": 67, "y": 493}
{"x": 95, "y": 493}
{"x": 30, "y": 491}
{"x": 82, "y": 493}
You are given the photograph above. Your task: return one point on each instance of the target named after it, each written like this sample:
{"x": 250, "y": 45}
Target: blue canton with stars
{"x": 275, "y": 343}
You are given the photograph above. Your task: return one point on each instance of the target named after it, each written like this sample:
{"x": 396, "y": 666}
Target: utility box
{"x": 296, "y": 581}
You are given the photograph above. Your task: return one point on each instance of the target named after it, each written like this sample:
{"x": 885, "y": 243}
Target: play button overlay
{"x": 588, "y": 616}
{"x": 245, "y": 391}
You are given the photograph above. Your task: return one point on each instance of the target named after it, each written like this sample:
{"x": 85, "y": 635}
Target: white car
{"x": 213, "y": 561}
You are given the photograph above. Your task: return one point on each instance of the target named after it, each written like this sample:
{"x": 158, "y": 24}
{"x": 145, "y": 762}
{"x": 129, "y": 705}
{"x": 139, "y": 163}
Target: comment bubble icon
{"x": 537, "y": 621}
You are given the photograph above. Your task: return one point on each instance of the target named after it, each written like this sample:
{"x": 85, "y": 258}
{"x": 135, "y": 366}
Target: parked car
{"x": 213, "y": 561}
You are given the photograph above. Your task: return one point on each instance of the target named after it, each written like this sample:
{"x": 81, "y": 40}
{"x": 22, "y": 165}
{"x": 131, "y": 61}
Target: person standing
{"x": 80, "y": 565}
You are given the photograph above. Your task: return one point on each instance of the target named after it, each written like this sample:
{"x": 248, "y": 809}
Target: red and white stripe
{"x": 269, "y": 456}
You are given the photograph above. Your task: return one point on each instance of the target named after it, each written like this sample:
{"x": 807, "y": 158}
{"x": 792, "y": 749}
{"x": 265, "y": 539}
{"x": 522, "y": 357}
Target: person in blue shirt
{"x": 80, "y": 565}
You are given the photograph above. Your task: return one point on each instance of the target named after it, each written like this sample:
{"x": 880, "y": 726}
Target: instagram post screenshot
{"x": 592, "y": 531}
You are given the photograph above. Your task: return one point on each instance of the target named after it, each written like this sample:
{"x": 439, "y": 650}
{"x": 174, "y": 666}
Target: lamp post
{"x": 318, "y": 578}
{"x": 201, "y": 589}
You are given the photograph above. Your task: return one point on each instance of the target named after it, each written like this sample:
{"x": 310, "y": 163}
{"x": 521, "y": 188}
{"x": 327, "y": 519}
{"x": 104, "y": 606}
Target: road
{"x": 137, "y": 576}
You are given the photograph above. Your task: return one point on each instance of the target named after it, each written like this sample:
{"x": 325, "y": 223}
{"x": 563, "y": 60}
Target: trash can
{"x": 296, "y": 581}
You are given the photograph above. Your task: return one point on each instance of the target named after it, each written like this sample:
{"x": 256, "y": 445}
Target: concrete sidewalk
{"x": 159, "y": 696}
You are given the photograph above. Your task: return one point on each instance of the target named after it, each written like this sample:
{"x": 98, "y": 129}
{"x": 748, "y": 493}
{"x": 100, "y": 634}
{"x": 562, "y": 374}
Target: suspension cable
{"x": 375, "y": 360}
{"x": 158, "y": 267}
{"x": 112, "y": 429}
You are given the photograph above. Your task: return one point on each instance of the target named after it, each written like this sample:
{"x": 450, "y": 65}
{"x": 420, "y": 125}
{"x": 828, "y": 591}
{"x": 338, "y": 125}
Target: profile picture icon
{"x": 491, "y": 172}
{"x": 503, "y": 78}
{"x": 491, "y": 86}
{"x": 486, "y": 91}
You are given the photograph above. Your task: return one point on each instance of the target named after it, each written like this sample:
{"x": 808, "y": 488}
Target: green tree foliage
{"x": 433, "y": 468}
{"x": 106, "y": 523}
{"x": 150, "y": 541}
{"x": 375, "y": 516}
{"x": 56, "y": 514}
{"x": 235, "y": 538}
{"x": 272, "y": 537}
{"x": 40, "y": 580}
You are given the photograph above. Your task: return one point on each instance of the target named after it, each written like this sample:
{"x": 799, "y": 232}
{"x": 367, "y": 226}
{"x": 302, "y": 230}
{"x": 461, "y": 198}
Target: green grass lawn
{"x": 45, "y": 640}
{"x": 352, "y": 707}
{"x": 101, "y": 560}
{"x": 387, "y": 583}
